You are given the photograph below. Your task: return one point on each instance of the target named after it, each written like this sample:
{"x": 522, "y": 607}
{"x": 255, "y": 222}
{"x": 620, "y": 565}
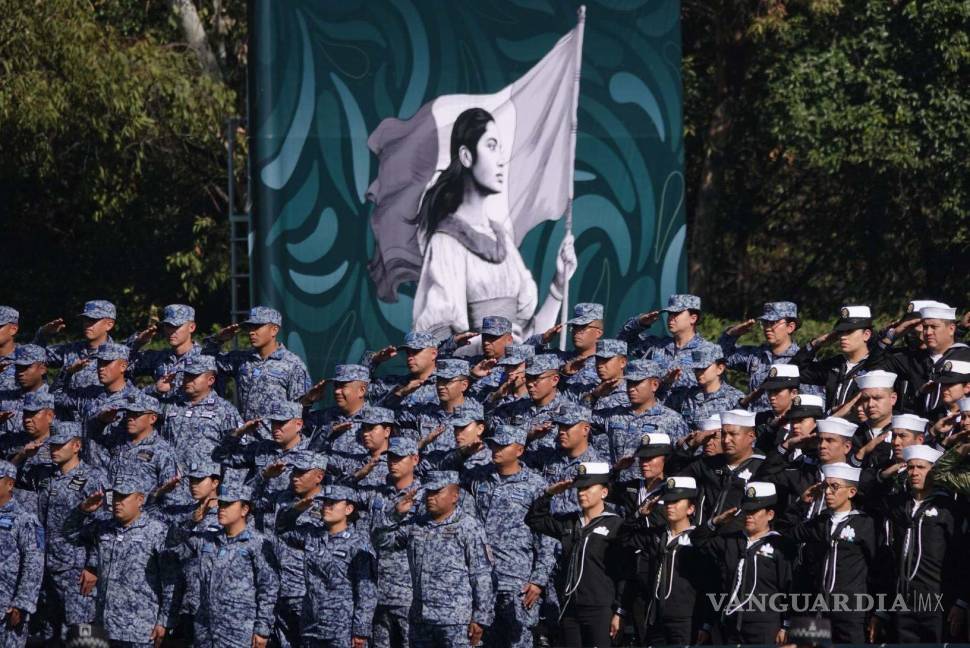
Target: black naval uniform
{"x": 721, "y": 487}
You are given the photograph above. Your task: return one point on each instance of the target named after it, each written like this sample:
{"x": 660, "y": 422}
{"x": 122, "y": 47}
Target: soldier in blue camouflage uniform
{"x": 579, "y": 366}
{"x": 335, "y": 431}
{"x": 496, "y": 333}
{"x": 394, "y": 592}
{"x": 451, "y": 569}
{"x": 711, "y": 395}
{"x": 9, "y": 326}
{"x": 30, "y": 370}
{"x": 512, "y": 387}
{"x": 468, "y": 425}
{"x": 417, "y": 387}
{"x": 366, "y": 473}
{"x": 62, "y": 603}
{"x": 128, "y": 562}
{"x": 340, "y": 568}
{"x": 535, "y": 413}
{"x": 22, "y": 566}
{"x": 76, "y": 359}
{"x": 452, "y": 382}
{"x": 166, "y": 366}
{"x": 779, "y": 321}
{"x": 522, "y": 560}
{"x": 267, "y": 371}
{"x": 28, "y": 449}
{"x": 100, "y": 407}
{"x": 609, "y": 396}
{"x": 674, "y": 352}
{"x": 233, "y": 582}
{"x": 199, "y": 419}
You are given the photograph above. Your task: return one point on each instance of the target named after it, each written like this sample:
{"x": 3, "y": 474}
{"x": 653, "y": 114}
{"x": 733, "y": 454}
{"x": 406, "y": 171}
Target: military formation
{"x": 498, "y": 492}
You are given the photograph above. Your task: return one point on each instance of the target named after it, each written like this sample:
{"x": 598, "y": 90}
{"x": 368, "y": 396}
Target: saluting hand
{"x": 404, "y": 504}
{"x": 823, "y": 339}
{"x": 646, "y": 319}
{"x": 274, "y": 470}
{"x": 559, "y": 487}
{"x": 434, "y": 434}
{"x": 52, "y": 327}
{"x": 313, "y": 394}
{"x": 92, "y": 502}
{"x": 722, "y": 518}
{"x": 225, "y": 333}
{"x": 647, "y": 507}
{"x": 483, "y": 367}
{"x": 5, "y": 416}
{"x": 248, "y": 426}
{"x": 145, "y": 336}
{"x": 462, "y": 339}
{"x": 77, "y": 366}
{"x": 551, "y": 333}
{"x": 810, "y": 493}
{"x": 740, "y": 329}
{"x": 383, "y": 355}
{"x": 164, "y": 384}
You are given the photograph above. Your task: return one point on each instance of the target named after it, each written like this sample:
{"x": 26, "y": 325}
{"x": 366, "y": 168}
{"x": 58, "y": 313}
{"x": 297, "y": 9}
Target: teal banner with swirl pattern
{"x": 324, "y": 74}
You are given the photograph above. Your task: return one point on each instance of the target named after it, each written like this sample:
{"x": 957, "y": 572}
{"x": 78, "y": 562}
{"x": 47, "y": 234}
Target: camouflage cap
{"x": 110, "y": 351}
{"x": 306, "y": 460}
{"x": 178, "y": 314}
{"x": 371, "y": 415}
{"x": 401, "y": 446}
{"x": 610, "y": 348}
{"x": 64, "y": 431}
{"x": 438, "y": 479}
{"x": 705, "y": 356}
{"x": 200, "y": 364}
{"x": 282, "y": 410}
{"x": 516, "y": 354}
{"x": 142, "y": 403}
{"x": 259, "y": 315}
{"x": 234, "y": 490}
{"x": 200, "y": 469}
{"x": 584, "y": 313}
{"x": 469, "y": 411}
{"x": 507, "y": 435}
{"x": 418, "y": 340}
{"x": 338, "y": 493}
{"x": 571, "y": 414}
{"x": 7, "y": 469}
{"x": 132, "y": 479}
{"x": 351, "y": 373}
{"x": 495, "y": 325}
{"x": 642, "y": 369}
{"x": 541, "y": 363}
{"x": 9, "y": 315}
{"x": 678, "y": 303}
{"x": 36, "y": 401}
{"x": 27, "y": 354}
{"x": 99, "y": 309}
{"x": 774, "y": 311}
{"x": 450, "y": 368}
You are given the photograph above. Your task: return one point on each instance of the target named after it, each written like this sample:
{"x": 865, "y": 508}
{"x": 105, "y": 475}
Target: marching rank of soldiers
{"x": 500, "y": 492}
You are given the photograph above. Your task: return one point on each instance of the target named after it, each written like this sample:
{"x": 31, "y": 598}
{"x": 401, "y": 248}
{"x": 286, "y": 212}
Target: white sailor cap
{"x": 781, "y": 376}
{"x": 836, "y": 425}
{"x": 758, "y": 495}
{"x": 678, "y": 488}
{"x": 917, "y": 305}
{"x": 964, "y": 404}
{"x": 712, "y": 422}
{"x": 924, "y": 452}
{"x": 909, "y": 422}
{"x": 856, "y": 312}
{"x": 591, "y": 472}
{"x": 810, "y": 400}
{"x": 938, "y": 311}
{"x": 740, "y": 417}
{"x": 876, "y": 379}
{"x": 841, "y": 470}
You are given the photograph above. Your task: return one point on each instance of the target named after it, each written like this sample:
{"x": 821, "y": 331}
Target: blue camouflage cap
{"x": 110, "y": 351}
{"x": 539, "y": 364}
{"x": 450, "y": 368}
{"x": 401, "y": 446}
{"x": 705, "y": 356}
{"x": 610, "y": 348}
{"x": 350, "y": 373}
{"x": 235, "y": 490}
{"x": 495, "y": 325}
{"x": 642, "y": 369}
{"x": 516, "y": 354}
{"x": 507, "y": 435}
{"x": 200, "y": 364}
{"x": 132, "y": 479}
{"x": 201, "y": 468}
{"x": 64, "y": 431}
{"x": 36, "y": 401}
{"x": 337, "y": 493}
{"x": 282, "y": 410}
{"x": 571, "y": 414}
{"x": 418, "y": 340}
{"x": 9, "y": 315}
{"x": 99, "y": 309}
{"x": 584, "y": 313}
{"x": 7, "y": 469}
{"x": 178, "y": 314}
{"x": 438, "y": 479}
{"x": 371, "y": 415}
{"x": 142, "y": 403}
{"x": 678, "y": 303}
{"x": 774, "y": 311}
{"x": 468, "y": 412}
{"x": 27, "y": 354}
{"x": 306, "y": 460}
{"x": 259, "y": 315}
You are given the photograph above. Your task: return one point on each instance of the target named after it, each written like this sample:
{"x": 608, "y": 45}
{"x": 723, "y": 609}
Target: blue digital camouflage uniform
{"x": 321, "y": 422}
{"x": 100, "y": 437}
{"x": 451, "y": 571}
{"x": 525, "y": 413}
{"x": 380, "y": 391}
{"x": 484, "y": 390}
{"x": 232, "y": 583}
{"x": 34, "y": 467}
{"x": 696, "y": 403}
{"x": 12, "y": 395}
{"x": 340, "y": 573}
{"x": 22, "y": 566}
{"x": 8, "y": 379}
{"x": 136, "y": 572}
{"x": 58, "y": 499}
{"x": 160, "y": 362}
{"x": 603, "y": 408}
{"x": 575, "y": 385}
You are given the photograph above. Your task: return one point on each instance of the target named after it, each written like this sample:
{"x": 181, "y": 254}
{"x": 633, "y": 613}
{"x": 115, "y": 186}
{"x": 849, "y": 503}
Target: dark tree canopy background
{"x": 827, "y": 152}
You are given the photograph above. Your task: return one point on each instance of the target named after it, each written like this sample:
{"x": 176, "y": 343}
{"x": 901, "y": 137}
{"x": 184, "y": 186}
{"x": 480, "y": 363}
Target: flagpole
{"x": 580, "y": 26}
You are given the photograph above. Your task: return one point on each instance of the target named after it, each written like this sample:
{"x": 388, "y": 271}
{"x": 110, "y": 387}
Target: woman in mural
{"x": 471, "y": 266}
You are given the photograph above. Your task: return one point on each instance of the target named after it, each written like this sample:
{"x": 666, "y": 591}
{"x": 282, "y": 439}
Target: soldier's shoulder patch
{"x": 6, "y": 522}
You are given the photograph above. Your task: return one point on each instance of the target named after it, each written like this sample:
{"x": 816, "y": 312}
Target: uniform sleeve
{"x": 193, "y": 575}
{"x": 298, "y": 382}
{"x": 544, "y": 548}
{"x": 363, "y": 569}
{"x": 267, "y": 580}
{"x": 736, "y": 356}
{"x": 480, "y": 574}
{"x": 162, "y": 576}
{"x": 30, "y": 544}
{"x": 56, "y": 353}
{"x": 541, "y": 520}
{"x": 390, "y": 530}
{"x": 233, "y": 454}
{"x": 810, "y": 371}
{"x": 440, "y": 303}
{"x": 813, "y": 530}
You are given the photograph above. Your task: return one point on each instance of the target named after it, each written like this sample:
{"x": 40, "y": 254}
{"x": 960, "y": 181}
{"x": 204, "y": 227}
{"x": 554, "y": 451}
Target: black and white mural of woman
{"x": 471, "y": 265}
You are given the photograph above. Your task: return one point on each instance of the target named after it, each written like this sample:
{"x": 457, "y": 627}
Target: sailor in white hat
{"x": 878, "y": 400}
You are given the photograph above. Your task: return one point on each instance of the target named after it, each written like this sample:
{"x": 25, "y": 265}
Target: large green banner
{"x": 358, "y": 110}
